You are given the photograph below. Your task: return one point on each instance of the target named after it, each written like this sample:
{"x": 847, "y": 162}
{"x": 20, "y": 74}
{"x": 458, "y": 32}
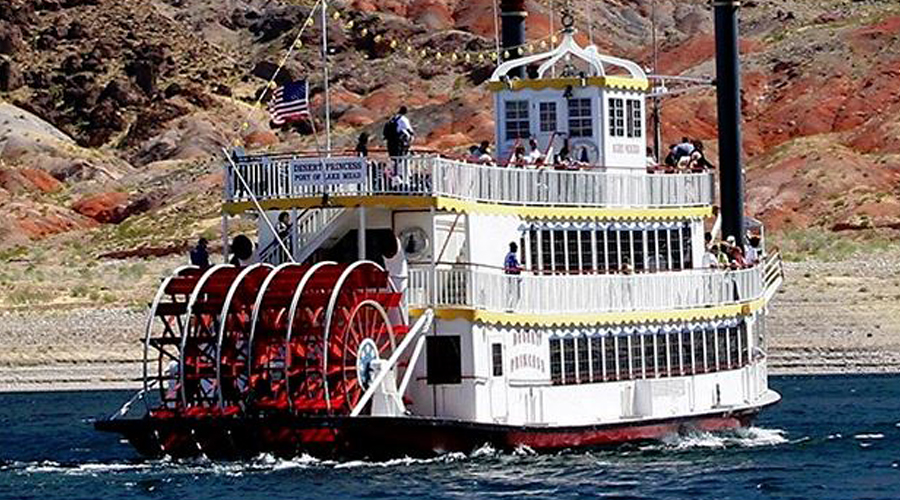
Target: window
{"x": 497, "y": 359}
{"x": 685, "y": 348}
{"x": 584, "y": 367}
{"x": 442, "y": 358}
{"x": 569, "y": 361}
{"x": 622, "y": 353}
{"x": 687, "y": 247}
{"x": 559, "y": 251}
{"x": 548, "y": 116}
{"x": 662, "y": 360}
{"x": 612, "y": 249}
{"x": 616, "y": 117}
{"x": 638, "y": 263}
{"x": 596, "y": 359}
{"x": 518, "y": 125}
{"x": 610, "y": 356}
{"x": 581, "y": 120}
{"x": 587, "y": 256}
{"x": 722, "y": 352}
{"x": 534, "y": 250}
{"x": 573, "y": 250}
{"x": 555, "y": 362}
{"x": 635, "y": 118}
{"x": 675, "y": 246}
{"x": 636, "y": 355}
{"x": 647, "y": 367}
{"x": 709, "y": 349}
{"x": 546, "y": 251}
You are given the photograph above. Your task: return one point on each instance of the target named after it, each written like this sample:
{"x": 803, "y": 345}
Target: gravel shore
{"x": 840, "y": 317}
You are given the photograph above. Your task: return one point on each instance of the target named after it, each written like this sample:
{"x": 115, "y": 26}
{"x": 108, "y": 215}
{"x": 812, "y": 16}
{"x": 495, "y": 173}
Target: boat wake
{"x": 751, "y": 437}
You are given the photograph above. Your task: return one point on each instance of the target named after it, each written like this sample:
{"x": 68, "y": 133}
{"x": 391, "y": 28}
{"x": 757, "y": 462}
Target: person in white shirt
{"x": 405, "y": 131}
{"x": 535, "y": 157}
{"x": 396, "y": 265}
{"x": 751, "y": 251}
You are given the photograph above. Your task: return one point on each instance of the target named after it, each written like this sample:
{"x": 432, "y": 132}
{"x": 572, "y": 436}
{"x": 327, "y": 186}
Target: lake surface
{"x": 830, "y": 438}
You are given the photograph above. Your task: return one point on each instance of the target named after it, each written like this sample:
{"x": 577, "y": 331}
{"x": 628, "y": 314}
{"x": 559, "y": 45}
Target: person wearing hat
{"x": 200, "y": 254}
{"x": 735, "y": 253}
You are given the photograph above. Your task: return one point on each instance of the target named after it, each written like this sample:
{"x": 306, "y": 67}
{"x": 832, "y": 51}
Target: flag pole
{"x": 327, "y": 82}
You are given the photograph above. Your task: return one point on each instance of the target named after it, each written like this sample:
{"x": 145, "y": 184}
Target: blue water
{"x": 831, "y": 438}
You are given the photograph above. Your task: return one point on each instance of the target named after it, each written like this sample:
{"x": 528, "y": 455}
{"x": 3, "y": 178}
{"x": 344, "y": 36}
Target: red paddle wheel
{"x": 297, "y": 338}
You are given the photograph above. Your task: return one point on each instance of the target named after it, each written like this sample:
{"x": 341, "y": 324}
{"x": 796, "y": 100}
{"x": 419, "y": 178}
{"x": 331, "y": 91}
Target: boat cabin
{"x": 595, "y": 101}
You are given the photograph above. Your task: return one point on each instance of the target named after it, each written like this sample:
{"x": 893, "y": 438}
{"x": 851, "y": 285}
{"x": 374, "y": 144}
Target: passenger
{"x": 200, "y": 254}
{"x": 398, "y": 133}
{"x": 405, "y": 129}
{"x": 564, "y": 153}
{"x": 398, "y": 270}
{"x": 535, "y": 157}
{"x": 710, "y": 259}
{"x": 735, "y": 253}
{"x": 751, "y": 251}
{"x": 283, "y": 228}
{"x": 626, "y": 267}
{"x": 484, "y": 156}
{"x": 519, "y": 158}
{"x": 241, "y": 251}
{"x": 651, "y": 160}
{"x": 698, "y": 158}
{"x": 707, "y": 239}
{"x": 474, "y": 154}
{"x": 584, "y": 159}
{"x": 721, "y": 256}
{"x": 362, "y": 145}
{"x": 284, "y": 225}
{"x": 511, "y": 262}
{"x": 684, "y": 148}
{"x": 670, "y": 160}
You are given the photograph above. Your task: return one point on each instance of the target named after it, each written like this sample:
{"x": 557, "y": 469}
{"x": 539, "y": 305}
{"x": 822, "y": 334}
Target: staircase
{"x": 315, "y": 227}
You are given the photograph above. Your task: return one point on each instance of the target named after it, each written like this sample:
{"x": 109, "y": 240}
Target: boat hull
{"x": 389, "y": 437}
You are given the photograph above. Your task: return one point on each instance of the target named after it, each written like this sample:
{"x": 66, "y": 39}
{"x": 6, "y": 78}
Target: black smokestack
{"x": 728, "y": 83}
{"x": 512, "y": 17}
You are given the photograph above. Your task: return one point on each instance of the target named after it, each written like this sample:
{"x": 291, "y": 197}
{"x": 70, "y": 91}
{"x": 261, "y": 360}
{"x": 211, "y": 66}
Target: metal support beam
{"x": 361, "y": 237}
{"x": 728, "y": 83}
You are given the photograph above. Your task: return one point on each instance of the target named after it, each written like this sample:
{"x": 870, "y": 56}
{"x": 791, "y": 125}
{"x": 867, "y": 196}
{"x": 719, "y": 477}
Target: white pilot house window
{"x": 581, "y": 122}
{"x": 548, "y": 117}
{"x": 641, "y": 354}
{"x": 635, "y": 118}
{"x": 616, "y": 117}
{"x": 518, "y": 125}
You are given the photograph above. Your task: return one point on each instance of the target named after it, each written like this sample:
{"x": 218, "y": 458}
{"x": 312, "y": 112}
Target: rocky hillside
{"x": 112, "y": 111}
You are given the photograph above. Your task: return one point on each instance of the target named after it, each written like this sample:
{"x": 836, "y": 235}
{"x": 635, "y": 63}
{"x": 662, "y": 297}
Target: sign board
{"x": 328, "y": 171}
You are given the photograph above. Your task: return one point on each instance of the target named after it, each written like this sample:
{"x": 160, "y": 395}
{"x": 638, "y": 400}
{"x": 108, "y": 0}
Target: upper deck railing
{"x": 494, "y": 291}
{"x": 287, "y": 177}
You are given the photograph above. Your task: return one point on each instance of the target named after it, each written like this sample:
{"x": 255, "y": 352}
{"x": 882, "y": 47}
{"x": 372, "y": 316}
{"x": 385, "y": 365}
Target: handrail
{"x": 535, "y": 294}
{"x": 271, "y": 178}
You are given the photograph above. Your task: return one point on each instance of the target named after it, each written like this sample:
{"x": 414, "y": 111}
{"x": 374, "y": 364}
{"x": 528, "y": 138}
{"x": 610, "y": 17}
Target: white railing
{"x": 310, "y": 226}
{"x": 272, "y": 178}
{"x": 491, "y": 290}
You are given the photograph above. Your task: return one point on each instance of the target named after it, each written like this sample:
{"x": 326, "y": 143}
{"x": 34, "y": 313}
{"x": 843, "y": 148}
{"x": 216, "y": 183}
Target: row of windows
{"x": 625, "y": 118}
{"x": 585, "y": 360}
{"x": 607, "y": 250}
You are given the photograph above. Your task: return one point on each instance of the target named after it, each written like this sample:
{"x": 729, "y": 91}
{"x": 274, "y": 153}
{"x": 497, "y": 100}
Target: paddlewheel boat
{"x": 613, "y": 331}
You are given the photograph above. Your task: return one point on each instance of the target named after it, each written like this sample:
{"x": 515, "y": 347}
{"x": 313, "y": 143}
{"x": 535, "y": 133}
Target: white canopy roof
{"x": 566, "y": 51}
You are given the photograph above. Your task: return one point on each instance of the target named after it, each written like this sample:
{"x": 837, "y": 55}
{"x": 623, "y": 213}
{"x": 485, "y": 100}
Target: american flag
{"x": 290, "y": 103}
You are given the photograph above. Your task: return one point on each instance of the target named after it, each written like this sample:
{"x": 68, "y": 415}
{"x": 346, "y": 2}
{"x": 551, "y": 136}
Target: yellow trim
{"x": 462, "y": 206}
{"x": 617, "y": 82}
{"x": 591, "y": 319}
